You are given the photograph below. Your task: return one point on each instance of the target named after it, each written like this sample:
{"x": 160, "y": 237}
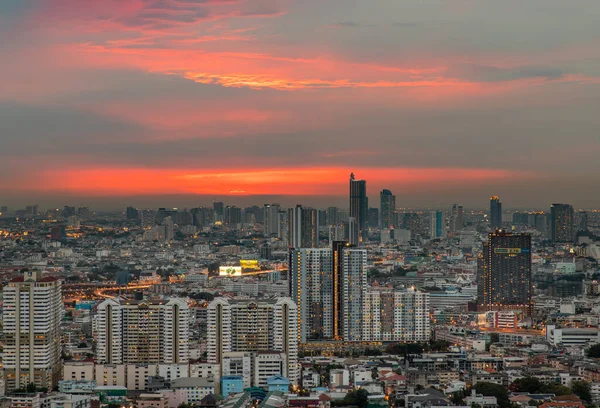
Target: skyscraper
{"x": 583, "y": 221}
{"x": 561, "y": 221}
{"x": 388, "y": 209}
{"x": 271, "y": 216}
{"x": 218, "y": 211}
{"x": 132, "y": 213}
{"x": 253, "y": 326}
{"x": 359, "y": 207}
{"x": 457, "y": 218}
{"x": 312, "y": 291}
{"x": 354, "y": 288}
{"x": 436, "y": 224}
{"x": 304, "y": 227}
{"x": 504, "y": 272}
{"x": 142, "y": 331}
{"x": 495, "y": 213}
{"x": 33, "y": 310}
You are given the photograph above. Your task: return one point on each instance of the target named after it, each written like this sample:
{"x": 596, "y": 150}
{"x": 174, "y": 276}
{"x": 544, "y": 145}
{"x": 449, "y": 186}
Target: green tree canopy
{"x": 582, "y": 389}
{"x": 494, "y": 390}
{"x": 594, "y": 351}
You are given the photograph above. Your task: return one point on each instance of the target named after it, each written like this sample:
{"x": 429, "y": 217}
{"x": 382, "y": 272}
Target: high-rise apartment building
{"x": 504, "y": 272}
{"x": 253, "y": 326}
{"x": 148, "y": 218}
{"x": 354, "y": 287}
{"x": 32, "y": 313}
{"x": 436, "y": 224}
{"x": 271, "y": 216}
{"x": 562, "y": 223}
{"x": 457, "y": 218}
{"x": 218, "y": 211}
{"x": 303, "y": 227}
{"x": 359, "y": 208}
{"x": 495, "y": 213}
{"x": 393, "y": 315}
{"x": 583, "y": 221}
{"x": 131, "y": 331}
{"x": 388, "y": 209}
{"x": 312, "y": 291}
{"x": 132, "y": 213}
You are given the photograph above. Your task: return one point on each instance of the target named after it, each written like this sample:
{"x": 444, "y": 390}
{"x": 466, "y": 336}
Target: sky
{"x": 181, "y": 102}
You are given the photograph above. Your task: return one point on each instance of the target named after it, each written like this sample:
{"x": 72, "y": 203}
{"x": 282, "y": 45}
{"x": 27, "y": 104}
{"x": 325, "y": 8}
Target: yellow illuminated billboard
{"x": 250, "y": 265}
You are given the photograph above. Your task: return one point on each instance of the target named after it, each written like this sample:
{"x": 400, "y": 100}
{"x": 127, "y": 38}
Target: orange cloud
{"x": 291, "y": 181}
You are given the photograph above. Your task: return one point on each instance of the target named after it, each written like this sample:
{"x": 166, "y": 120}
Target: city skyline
{"x": 440, "y": 103}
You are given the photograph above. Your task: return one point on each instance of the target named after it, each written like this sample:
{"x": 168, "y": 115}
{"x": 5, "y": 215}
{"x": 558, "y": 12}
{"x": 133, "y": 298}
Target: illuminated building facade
{"x": 561, "y": 220}
{"x": 303, "y": 227}
{"x": 504, "y": 272}
{"x": 253, "y": 326}
{"x": 311, "y": 288}
{"x": 33, "y": 310}
{"x": 354, "y": 288}
{"x": 388, "y": 209}
{"x": 359, "y": 209}
{"x": 393, "y": 315}
{"x": 131, "y": 331}
{"x": 495, "y": 213}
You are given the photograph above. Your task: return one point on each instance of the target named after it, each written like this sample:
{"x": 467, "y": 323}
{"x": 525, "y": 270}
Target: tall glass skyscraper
{"x": 561, "y": 219}
{"x": 388, "y": 209}
{"x": 359, "y": 209}
{"x": 504, "y": 272}
{"x": 495, "y": 213}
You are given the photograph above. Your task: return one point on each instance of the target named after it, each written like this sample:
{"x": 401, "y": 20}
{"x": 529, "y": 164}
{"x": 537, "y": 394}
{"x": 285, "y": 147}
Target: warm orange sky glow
{"x": 286, "y": 97}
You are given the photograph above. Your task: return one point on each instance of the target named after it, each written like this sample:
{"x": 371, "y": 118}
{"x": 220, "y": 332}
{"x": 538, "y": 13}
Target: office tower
{"x": 504, "y": 272}
{"x": 312, "y": 291}
{"x": 254, "y": 326}
{"x": 132, "y": 213}
{"x": 583, "y": 221}
{"x": 32, "y": 210}
{"x": 218, "y": 211}
{"x": 232, "y": 215}
{"x": 68, "y": 211}
{"x": 457, "y": 218}
{"x": 271, "y": 216}
{"x": 373, "y": 218}
{"x": 495, "y": 213}
{"x": 303, "y": 227}
{"x": 561, "y": 223}
{"x": 388, "y": 209}
{"x": 359, "y": 207}
{"x": 202, "y": 216}
{"x": 353, "y": 231}
{"x": 33, "y": 310}
{"x": 393, "y": 315}
{"x": 169, "y": 229}
{"x": 332, "y": 216}
{"x": 283, "y": 227}
{"x": 433, "y": 230}
{"x": 131, "y": 331}
{"x": 148, "y": 218}
{"x": 354, "y": 287}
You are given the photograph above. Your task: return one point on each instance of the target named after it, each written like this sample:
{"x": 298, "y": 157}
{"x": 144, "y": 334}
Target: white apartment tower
{"x": 33, "y": 310}
{"x": 312, "y": 291}
{"x": 254, "y": 326}
{"x": 393, "y": 315}
{"x": 142, "y": 331}
{"x": 354, "y": 288}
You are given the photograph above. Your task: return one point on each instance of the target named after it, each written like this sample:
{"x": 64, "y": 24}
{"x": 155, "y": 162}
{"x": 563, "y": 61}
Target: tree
{"x": 582, "y": 389}
{"x": 594, "y": 351}
{"x": 556, "y": 389}
{"x": 527, "y": 384}
{"x": 494, "y": 390}
{"x": 357, "y": 397}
